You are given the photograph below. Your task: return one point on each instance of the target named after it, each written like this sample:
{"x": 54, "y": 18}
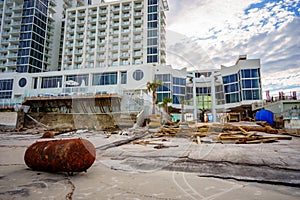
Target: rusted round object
{"x": 65, "y": 155}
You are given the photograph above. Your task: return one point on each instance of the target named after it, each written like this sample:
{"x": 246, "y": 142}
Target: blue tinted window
{"x": 151, "y": 2}
{"x": 22, "y": 68}
{"x": 152, "y": 50}
{"x": 152, "y": 24}
{"x": 161, "y": 96}
{"x": 6, "y": 84}
{"x": 152, "y": 33}
{"x": 152, "y": 59}
{"x": 251, "y": 95}
{"x": 152, "y": 9}
{"x": 123, "y": 77}
{"x": 164, "y": 87}
{"x": 231, "y": 88}
{"x": 179, "y": 81}
{"x": 232, "y": 98}
{"x": 163, "y": 77}
{"x": 250, "y": 83}
{"x": 178, "y": 90}
{"x": 152, "y": 41}
{"x": 5, "y": 95}
{"x": 152, "y": 17}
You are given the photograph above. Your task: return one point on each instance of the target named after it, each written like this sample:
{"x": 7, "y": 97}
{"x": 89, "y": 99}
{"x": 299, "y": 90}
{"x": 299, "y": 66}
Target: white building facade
{"x": 119, "y": 33}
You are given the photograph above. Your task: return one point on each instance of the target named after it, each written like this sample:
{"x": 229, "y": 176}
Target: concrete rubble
{"x": 191, "y": 161}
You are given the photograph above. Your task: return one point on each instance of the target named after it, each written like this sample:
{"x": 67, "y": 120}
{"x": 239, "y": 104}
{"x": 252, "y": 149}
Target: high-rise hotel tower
{"x": 26, "y": 35}
{"x": 115, "y": 33}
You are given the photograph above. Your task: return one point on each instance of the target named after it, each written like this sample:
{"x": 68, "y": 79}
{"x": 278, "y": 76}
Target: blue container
{"x": 265, "y": 115}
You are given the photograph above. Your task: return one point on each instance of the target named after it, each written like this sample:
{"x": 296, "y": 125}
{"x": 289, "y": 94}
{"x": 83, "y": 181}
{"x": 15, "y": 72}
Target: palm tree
{"x": 152, "y": 86}
{"x": 165, "y": 102}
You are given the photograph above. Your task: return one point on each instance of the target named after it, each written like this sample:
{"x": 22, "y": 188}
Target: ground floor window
{"x": 109, "y": 78}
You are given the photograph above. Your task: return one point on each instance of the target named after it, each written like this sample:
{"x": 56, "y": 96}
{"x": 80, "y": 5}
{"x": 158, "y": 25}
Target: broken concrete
{"x": 167, "y": 173}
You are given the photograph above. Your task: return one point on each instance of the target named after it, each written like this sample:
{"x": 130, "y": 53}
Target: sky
{"x": 205, "y": 34}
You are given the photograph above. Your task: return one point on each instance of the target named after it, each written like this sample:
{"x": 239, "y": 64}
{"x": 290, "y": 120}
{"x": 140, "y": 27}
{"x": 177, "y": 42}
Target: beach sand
{"x": 110, "y": 178}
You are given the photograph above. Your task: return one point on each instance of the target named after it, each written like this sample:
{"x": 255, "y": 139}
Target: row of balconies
{"x": 104, "y": 26}
{"x": 123, "y": 55}
{"x": 80, "y": 16}
{"x": 105, "y": 10}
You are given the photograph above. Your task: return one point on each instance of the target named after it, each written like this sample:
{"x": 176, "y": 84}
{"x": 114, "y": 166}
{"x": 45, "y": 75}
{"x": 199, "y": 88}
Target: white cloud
{"x": 222, "y": 31}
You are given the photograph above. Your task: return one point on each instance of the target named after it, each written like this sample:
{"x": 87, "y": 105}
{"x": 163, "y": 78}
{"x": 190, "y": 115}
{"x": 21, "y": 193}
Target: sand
{"x": 112, "y": 177}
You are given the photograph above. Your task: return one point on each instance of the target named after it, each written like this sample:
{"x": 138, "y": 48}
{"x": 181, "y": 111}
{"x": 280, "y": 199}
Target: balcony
{"x": 137, "y": 46}
{"x": 126, "y": 16}
{"x": 116, "y": 16}
{"x": 139, "y": 21}
{"x": 138, "y": 30}
{"x": 103, "y": 18}
{"x": 127, "y": 7}
{"x": 127, "y": 23}
{"x": 81, "y": 14}
{"x": 102, "y": 33}
{"x": 91, "y": 35}
{"x": 114, "y": 56}
{"x": 13, "y": 47}
{"x": 80, "y": 29}
{"x": 137, "y": 38}
{"x": 116, "y": 10}
{"x": 15, "y": 8}
{"x": 14, "y": 39}
{"x": 103, "y": 26}
{"x": 72, "y": 15}
{"x": 138, "y": 14}
{"x": 80, "y": 21}
{"x": 138, "y": 6}
{"x": 125, "y": 31}
{"x": 78, "y": 52}
{"x": 101, "y": 49}
{"x": 93, "y": 12}
{"x": 79, "y": 37}
{"x": 78, "y": 60}
{"x": 125, "y": 55}
{"x": 103, "y": 11}
{"x": 17, "y": 15}
{"x": 115, "y": 40}
{"x": 125, "y": 47}
{"x": 115, "y": 32}
{"x": 115, "y": 24}
{"x": 79, "y": 44}
{"x": 137, "y": 54}
{"x": 101, "y": 57}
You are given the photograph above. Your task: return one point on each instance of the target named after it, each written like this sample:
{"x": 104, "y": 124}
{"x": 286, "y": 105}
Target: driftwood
{"x": 122, "y": 142}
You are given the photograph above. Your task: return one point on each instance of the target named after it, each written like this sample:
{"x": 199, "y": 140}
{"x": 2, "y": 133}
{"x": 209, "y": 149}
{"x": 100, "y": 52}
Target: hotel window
{"x": 51, "y": 82}
{"x": 123, "y": 77}
{"x": 80, "y": 79}
{"x": 6, "y": 84}
{"x": 138, "y": 75}
{"x": 109, "y": 78}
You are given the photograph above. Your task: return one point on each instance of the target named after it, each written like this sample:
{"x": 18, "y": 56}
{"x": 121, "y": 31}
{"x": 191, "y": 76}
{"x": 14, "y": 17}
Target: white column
{"x": 213, "y": 97}
{"x": 194, "y": 97}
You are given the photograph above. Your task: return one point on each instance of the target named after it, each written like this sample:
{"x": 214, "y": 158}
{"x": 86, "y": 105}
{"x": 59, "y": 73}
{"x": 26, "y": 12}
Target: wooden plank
{"x": 198, "y": 140}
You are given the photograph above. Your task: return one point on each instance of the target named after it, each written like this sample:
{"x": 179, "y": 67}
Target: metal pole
{"x": 194, "y": 97}
{"x": 213, "y": 97}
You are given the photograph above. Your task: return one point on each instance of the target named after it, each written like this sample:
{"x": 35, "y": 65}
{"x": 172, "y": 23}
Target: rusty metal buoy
{"x": 65, "y": 155}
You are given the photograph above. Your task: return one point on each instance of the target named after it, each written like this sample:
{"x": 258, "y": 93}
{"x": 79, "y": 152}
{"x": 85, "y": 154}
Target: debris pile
{"x": 213, "y": 133}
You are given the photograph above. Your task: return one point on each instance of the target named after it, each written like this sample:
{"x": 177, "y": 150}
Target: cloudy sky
{"x": 209, "y": 33}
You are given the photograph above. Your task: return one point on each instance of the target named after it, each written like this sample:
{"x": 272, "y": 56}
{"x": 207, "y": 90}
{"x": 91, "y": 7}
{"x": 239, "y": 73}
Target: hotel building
{"x": 110, "y": 47}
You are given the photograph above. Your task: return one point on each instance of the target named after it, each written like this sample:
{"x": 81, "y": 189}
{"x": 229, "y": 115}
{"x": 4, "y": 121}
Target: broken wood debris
{"x": 250, "y": 138}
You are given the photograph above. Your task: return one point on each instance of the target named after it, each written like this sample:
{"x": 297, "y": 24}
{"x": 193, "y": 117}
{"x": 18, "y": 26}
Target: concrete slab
{"x": 138, "y": 172}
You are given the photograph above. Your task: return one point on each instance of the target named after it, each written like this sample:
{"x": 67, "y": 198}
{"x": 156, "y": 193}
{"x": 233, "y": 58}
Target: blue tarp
{"x": 265, "y": 115}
